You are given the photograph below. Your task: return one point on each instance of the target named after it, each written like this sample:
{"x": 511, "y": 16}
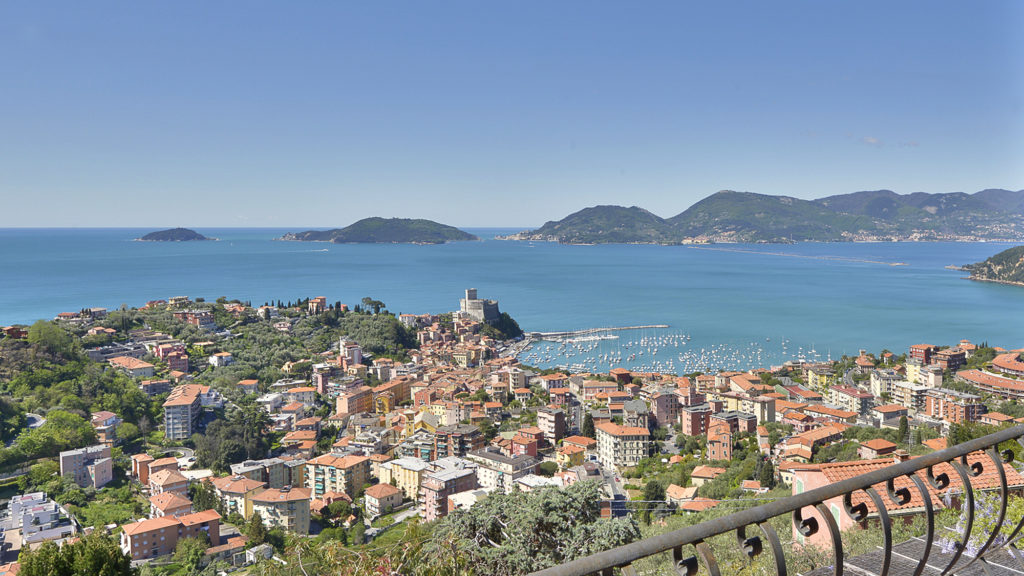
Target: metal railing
{"x": 686, "y": 563}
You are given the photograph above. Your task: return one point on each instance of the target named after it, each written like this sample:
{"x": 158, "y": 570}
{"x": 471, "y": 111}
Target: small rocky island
{"x": 174, "y": 235}
{"x": 1006, "y": 267}
{"x": 385, "y": 231}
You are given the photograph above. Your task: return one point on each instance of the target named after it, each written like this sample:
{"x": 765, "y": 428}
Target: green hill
{"x": 729, "y": 216}
{"x": 385, "y": 231}
{"x": 607, "y": 225}
{"x": 174, "y": 235}
{"x": 747, "y": 217}
{"x": 1006, "y": 266}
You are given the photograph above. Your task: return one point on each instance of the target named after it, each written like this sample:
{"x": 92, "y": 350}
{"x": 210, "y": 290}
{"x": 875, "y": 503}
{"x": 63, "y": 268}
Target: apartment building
{"x": 405, "y": 473}
{"x": 495, "y": 469}
{"x": 286, "y": 508}
{"x": 182, "y": 410}
{"x": 851, "y": 399}
{"x": 621, "y": 445}
{"x": 236, "y": 493}
{"x": 90, "y": 466}
{"x": 952, "y": 406}
{"x": 333, "y": 473}
{"x": 381, "y": 499}
{"x": 551, "y": 422}
{"x": 39, "y": 519}
{"x": 457, "y": 440}
{"x": 450, "y": 476}
{"x": 157, "y": 537}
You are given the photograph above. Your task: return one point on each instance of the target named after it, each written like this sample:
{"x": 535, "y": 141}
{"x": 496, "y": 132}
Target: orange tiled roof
{"x": 988, "y": 480}
{"x": 878, "y": 444}
{"x": 706, "y": 472}
{"x": 275, "y": 495}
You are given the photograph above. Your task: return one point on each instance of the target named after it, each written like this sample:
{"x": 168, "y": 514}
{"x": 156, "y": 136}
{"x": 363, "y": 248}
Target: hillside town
{"x": 242, "y": 427}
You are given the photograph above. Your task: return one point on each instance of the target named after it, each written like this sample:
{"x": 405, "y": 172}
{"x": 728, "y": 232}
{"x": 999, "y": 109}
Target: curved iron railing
{"x": 623, "y": 557}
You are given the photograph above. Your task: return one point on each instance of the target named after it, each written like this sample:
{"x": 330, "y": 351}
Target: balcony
{"x": 959, "y": 499}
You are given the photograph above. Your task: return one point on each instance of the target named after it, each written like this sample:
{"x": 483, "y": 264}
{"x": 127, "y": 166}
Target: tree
{"x": 654, "y": 491}
{"x": 548, "y": 468}
{"x": 50, "y": 337}
{"x": 189, "y": 553}
{"x": 521, "y": 532}
{"x": 588, "y": 427}
{"x": 204, "y": 497}
{"x": 92, "y": 554}
{"x": 904, "y": 427}
{"x": 358, "y": 533}
{"x": 766, "y": 476}
{"x": 255, "y": 529}
{"x": 377, "y": 305}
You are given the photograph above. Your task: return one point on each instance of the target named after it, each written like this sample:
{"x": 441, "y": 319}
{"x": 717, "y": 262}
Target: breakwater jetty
{"x": 807, "y": 256}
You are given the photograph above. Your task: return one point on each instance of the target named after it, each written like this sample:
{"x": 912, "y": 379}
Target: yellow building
{"x": 819, "y": 379}
{"x": 569, "y": 455}
{"x": 405, "y": 474}
{"x": 236, "y": 493}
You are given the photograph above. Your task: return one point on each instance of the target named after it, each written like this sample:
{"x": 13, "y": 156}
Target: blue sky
{"x": 492, "y": 114}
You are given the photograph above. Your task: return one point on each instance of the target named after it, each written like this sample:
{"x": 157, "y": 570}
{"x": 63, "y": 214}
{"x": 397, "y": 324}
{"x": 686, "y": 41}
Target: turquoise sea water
{"x": 733, "y": 308}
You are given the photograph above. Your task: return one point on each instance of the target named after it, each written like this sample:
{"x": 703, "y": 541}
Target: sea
{"x": 724, "y": 306}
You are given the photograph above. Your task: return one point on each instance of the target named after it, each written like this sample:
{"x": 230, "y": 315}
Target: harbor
{"x": 652, "y": 348}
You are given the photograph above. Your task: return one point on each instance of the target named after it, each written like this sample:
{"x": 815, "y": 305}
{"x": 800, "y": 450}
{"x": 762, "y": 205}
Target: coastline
{"x": 994, "y": 281}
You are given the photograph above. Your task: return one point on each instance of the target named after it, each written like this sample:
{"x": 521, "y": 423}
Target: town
{"x": 191, "y": 434}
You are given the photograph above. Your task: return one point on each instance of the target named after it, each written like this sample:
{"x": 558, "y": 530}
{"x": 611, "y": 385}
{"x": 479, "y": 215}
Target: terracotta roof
{"x": 750, "y": 485}
{"x": 616, "y": 430}
{"x": 150, "y": 525}
{"x": 165, "y": 477}
{"x": 237, "y": 484}
{"x": 987, "y": 480}
{"x": 890, "y": 408}
{"x": 199, "y": 517}
{"x": 937, "y": 443}
{"x": 129, "y": 363}
{"x": 979, "y": 377}
{"x": 698, "y": 505}
{"x": 379, "y": 491}
{"x": 169, "y": 501}
{"x": 581, "y": 441}
{"x": 675, "y": 492}
{"x": 706, "y": 472}
{"x": 1008, "y": 362}
{"x": 275, "y": 495}
{"x": 338, "y": 461}
{"x": 878, "y": 444}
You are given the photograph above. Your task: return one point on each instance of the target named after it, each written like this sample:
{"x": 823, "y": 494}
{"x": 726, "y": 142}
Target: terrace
{"x": 969, "y": 480}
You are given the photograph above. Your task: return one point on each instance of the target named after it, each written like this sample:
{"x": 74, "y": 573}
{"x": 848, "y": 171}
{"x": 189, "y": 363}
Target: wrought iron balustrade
{"x": 689, "y": 546}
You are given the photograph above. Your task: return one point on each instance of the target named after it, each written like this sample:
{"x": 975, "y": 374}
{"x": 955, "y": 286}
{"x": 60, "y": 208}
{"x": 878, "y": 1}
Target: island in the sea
{"x": 378, "y": 230}
{"x": 729, "y": 216}
{"x": 1006, "y": 267}
{"x": 174, "y": 235}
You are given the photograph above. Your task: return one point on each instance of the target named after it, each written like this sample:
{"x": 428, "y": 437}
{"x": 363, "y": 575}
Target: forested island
{"x": 174, "y": 235}
{"x": 729, "y": 216}
{"x": 378, "y": 230}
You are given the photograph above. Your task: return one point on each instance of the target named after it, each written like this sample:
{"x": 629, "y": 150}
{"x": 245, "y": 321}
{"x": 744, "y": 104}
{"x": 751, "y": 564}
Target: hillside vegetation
{"x": 385, "y": 231}
{"x": 1006, "y": 266}
{"x": 729, "y": 216}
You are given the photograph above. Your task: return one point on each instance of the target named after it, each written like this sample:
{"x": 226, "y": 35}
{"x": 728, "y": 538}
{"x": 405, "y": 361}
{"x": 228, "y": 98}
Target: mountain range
{"x": 729, "y": 216}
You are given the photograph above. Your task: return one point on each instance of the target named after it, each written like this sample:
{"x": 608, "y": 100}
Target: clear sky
{"x": 316, "y": 114}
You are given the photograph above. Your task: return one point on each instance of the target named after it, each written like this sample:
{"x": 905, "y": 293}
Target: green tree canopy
{"x": 521, "y": 532}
